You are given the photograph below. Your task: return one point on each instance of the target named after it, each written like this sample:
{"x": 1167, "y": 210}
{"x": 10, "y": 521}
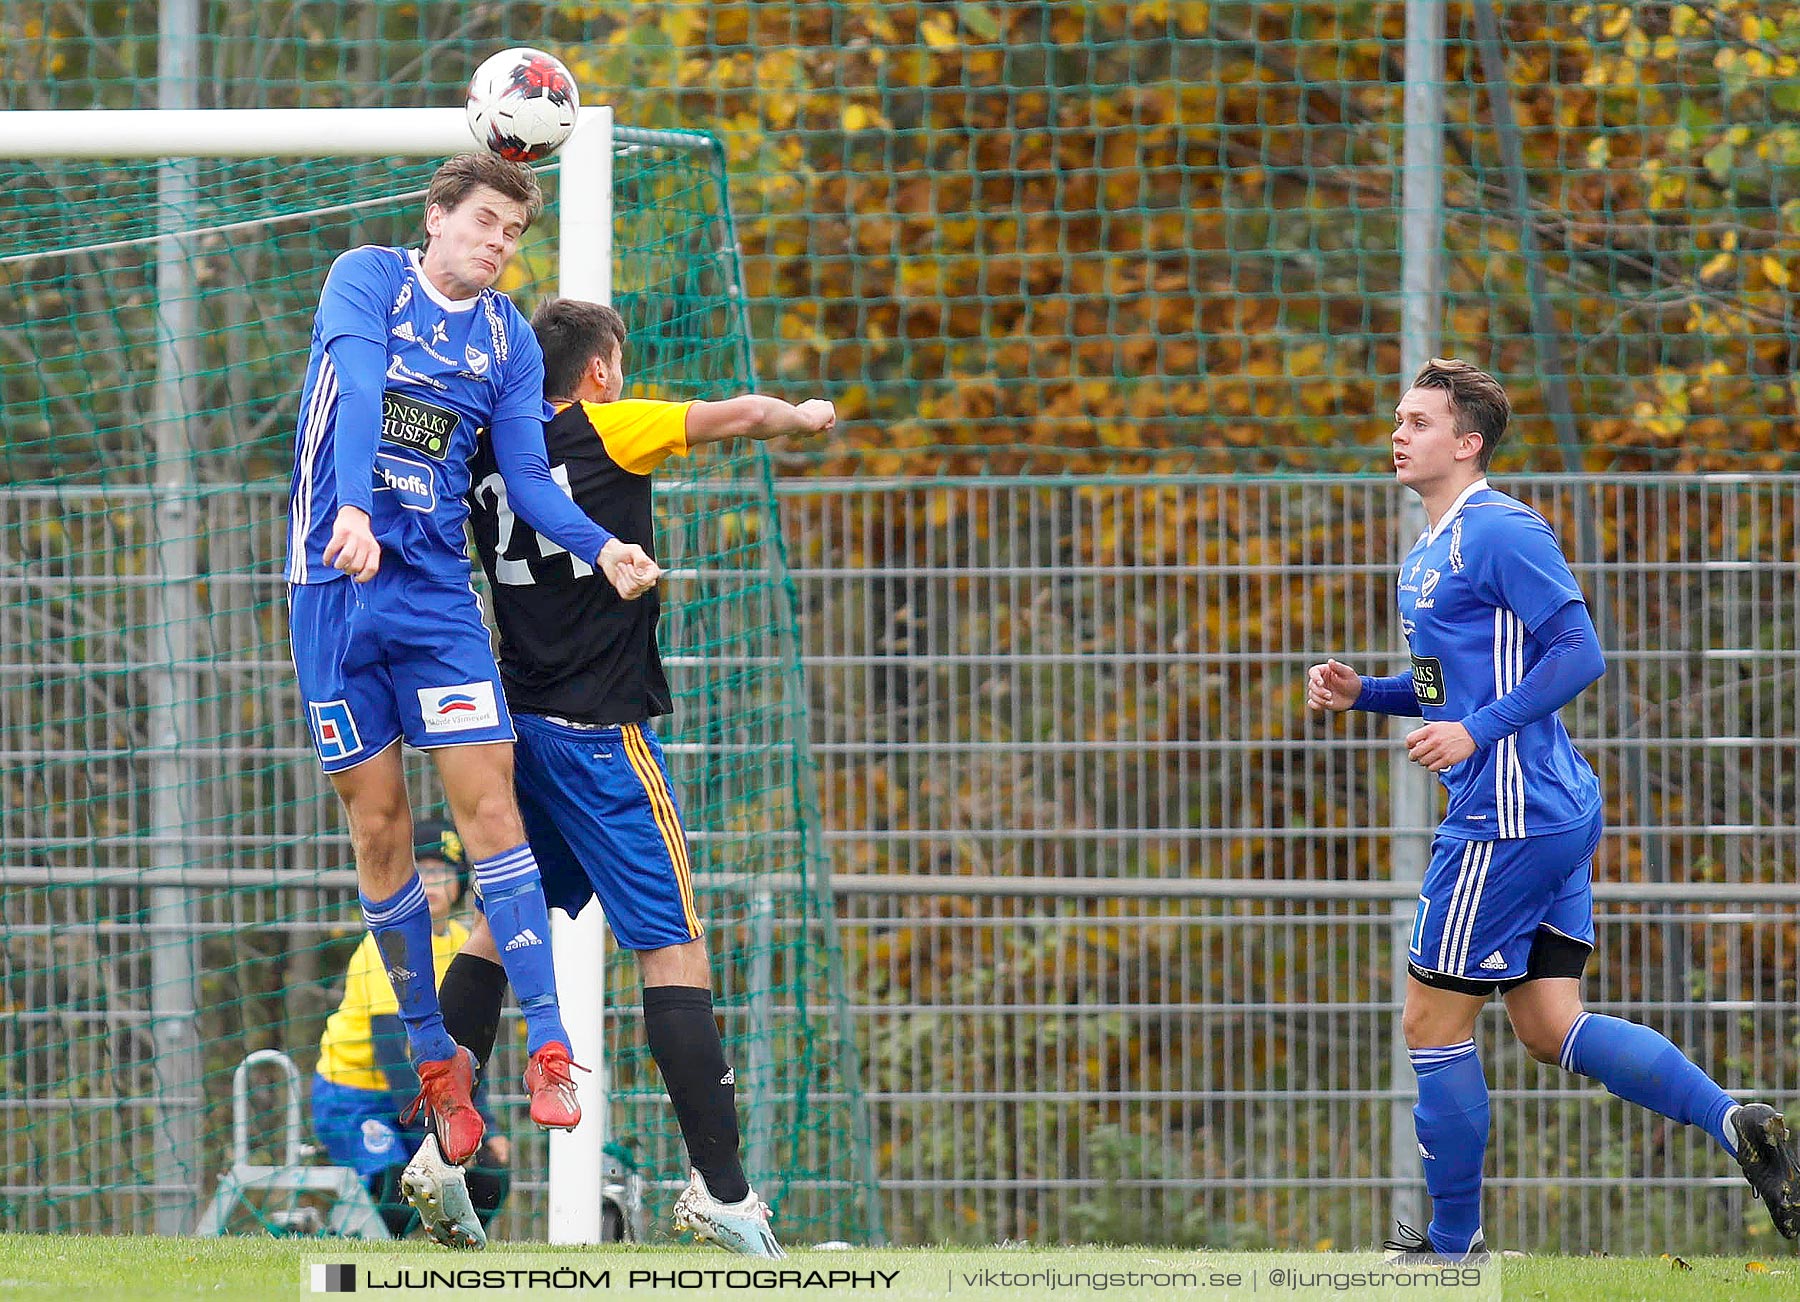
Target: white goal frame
{"x": 585, "y": 245}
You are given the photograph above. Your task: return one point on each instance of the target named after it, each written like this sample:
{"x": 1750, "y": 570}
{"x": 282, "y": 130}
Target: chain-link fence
{"x": 1116, "y": 912}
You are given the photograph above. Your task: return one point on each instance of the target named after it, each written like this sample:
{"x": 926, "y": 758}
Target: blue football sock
{"x": 512, "y": 898}
{"x": 1641, "y": 1067}
{"x": 402, "y": 928}
{"x": 1451, "y": 1118}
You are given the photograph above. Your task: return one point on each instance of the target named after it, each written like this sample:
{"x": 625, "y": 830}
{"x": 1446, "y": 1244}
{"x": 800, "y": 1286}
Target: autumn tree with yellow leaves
{"x": 1165, "y": 233}
{"x": 1112, "y": 234}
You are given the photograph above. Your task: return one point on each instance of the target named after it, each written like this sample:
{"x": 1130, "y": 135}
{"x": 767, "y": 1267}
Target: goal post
{"x": 216, "y": 818}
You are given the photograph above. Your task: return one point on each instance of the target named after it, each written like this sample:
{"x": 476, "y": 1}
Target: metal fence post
{"x": 175, "y": 521}
{"x": 1422, "y": 243}
{"x": 760, "y": 1078}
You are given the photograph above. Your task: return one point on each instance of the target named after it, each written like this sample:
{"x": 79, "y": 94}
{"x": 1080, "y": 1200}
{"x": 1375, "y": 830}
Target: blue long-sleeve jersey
{"x": 400, "y": 384}
{"x": 1500, "y": 640}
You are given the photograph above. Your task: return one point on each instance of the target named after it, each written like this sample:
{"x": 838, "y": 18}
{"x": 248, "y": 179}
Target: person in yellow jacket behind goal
{"x": 365, "y": 1078}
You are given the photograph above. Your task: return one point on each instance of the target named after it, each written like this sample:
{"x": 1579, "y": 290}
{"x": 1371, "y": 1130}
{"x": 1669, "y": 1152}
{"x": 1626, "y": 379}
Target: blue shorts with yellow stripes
{"x": 601, "y": 816}
{"x": 1483, "y": 903}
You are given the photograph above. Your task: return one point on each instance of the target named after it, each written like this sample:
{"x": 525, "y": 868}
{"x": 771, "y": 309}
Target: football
{"x": 522, "y": 104}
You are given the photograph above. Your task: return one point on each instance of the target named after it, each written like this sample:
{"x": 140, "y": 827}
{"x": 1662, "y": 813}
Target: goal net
{"x": 175, "y": 881}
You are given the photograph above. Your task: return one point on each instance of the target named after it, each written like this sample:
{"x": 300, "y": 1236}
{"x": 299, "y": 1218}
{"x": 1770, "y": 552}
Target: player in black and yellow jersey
{"x": 583, "y": 679}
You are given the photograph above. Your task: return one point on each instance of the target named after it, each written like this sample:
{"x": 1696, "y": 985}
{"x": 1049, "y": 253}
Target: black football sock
{"x": 471, "y": 994}
{"x": 684, "y": 1040}
{"x": 487, "y": 1183}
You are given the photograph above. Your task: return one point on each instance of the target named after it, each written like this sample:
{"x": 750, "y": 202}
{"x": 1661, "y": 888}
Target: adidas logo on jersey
{"x": 524, "y": 940}
{"x": 730, "y": 1076}
{"x": 1493, "y": 963}
{"x": 404, "y": 330}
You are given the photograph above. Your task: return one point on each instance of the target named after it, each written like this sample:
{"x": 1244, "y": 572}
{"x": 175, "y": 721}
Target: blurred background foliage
{"x": 1076, "y": 235}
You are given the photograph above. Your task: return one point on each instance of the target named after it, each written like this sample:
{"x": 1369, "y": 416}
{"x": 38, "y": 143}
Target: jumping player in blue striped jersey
{"x": 415, "y": 357}
{"x": 1501, "y": 640}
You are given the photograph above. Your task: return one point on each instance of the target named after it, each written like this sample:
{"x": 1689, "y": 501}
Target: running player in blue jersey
{"x": 1501, "y": 640}
{"x": 415, "y": 358}
{"x": 585, "y": 678}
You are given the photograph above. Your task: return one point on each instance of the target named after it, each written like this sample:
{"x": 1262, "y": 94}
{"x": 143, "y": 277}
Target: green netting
{"x": 174, "y": 892}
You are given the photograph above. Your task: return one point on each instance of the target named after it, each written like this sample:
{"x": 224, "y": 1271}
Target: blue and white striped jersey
{"x": 453, "y": 369}
{"x": 1471, "y": 593}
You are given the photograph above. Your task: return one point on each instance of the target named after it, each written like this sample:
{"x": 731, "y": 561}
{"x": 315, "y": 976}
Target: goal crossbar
{"x": 268, "y": 133}
{"x": 234, "y": 133}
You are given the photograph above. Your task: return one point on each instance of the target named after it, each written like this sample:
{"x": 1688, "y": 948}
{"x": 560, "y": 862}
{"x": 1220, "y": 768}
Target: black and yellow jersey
{"x": 347, "y": 1049}
{"x": 569, "y": 646}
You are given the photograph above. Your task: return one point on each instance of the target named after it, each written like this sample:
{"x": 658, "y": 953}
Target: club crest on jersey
{"x": 376, "y": 1136}
{"x": 1426, "y": 601}
{"x": 460, "y": 707}
{"x": 477, "y": 360}
{"x": 419, "y": 425}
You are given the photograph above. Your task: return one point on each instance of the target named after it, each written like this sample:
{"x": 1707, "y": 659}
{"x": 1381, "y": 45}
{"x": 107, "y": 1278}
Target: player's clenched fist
{"x": 815, "y": 416}
{"x": 629, "y": 569}
{"x": 353, "y": 548}
{"x": 1332, "y": 686}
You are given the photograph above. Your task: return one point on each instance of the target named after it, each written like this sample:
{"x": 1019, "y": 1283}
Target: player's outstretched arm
{"x": 756, "y": 416}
